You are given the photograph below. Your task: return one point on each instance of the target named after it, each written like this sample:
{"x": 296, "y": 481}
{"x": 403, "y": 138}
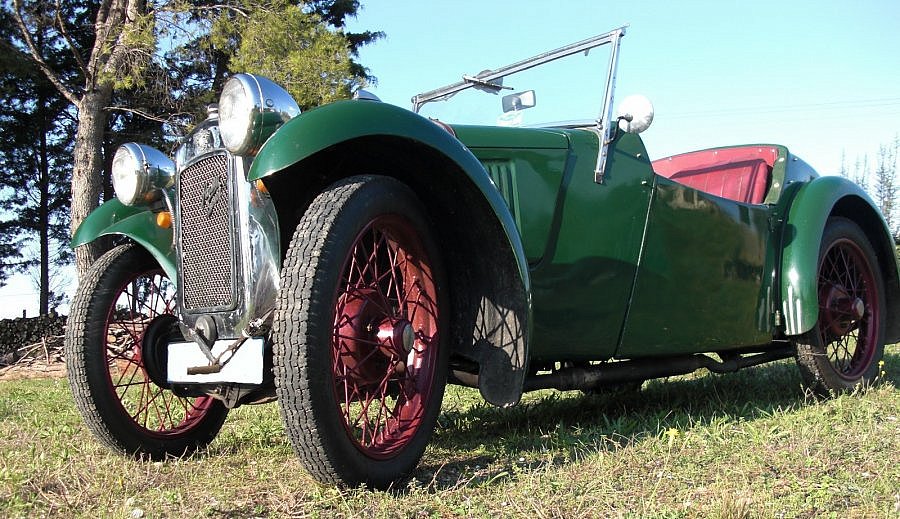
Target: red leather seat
{"x": 738, "y": 174}
{"x": 740, "y": 181}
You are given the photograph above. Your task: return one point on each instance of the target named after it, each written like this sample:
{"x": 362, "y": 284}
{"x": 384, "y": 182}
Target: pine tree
{"x": 36, "y": 122}
{"x": 886, "y": 182}
{"x": 861, "y": 172}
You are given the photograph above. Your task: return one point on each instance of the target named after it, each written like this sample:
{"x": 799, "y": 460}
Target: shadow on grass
{"x": 564, "y": 426}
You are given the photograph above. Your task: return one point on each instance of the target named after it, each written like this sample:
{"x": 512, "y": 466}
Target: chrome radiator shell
{"x": 227, "y": 244}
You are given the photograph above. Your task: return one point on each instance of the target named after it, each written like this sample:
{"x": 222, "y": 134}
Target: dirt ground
{"x": 53, "y": 370}
{"x": 39, "y": 360}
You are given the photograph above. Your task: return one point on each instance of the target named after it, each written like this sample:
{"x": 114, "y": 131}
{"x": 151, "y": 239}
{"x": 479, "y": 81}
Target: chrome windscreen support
{"x": 490, "y": 77}
{"x": 605, "y": 124}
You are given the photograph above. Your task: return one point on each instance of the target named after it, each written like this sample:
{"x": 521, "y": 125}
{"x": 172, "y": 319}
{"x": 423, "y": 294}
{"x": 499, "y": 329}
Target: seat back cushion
{"x": 737, "y": 174}
{"x": 740, "y": 181}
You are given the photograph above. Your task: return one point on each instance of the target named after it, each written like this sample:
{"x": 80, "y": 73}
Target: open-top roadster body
{"x": 351, "y": 260}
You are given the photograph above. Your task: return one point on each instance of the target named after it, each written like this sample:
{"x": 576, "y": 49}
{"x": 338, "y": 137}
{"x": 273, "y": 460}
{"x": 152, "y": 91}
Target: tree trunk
{"x": 87, "y": 169}
{"x": 44, "y": 220}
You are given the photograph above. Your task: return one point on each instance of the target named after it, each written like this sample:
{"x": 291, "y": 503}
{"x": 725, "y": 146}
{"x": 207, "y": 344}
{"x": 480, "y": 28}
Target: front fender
{"x": 810, "y": 209}
{"x": 334, "y": 123}
{"x": 138, "y": 223}
{"x": 338, "y": 126}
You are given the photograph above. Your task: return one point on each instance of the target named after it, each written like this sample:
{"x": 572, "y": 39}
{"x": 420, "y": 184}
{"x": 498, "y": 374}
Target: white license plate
{"x": 245, "y": 367}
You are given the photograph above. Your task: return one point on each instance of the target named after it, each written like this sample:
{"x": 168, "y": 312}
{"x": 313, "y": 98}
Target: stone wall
{"x": 20, "y": 332}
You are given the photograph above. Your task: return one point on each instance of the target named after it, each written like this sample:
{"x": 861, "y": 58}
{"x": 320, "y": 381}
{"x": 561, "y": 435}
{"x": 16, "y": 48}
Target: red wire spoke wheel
{"x": 847, "y": 342}
{"x": 384, "y": 348}
{"x": 360, "y": 363}
{"x": 116, "y": 345}
{"x": 140, "y": 305}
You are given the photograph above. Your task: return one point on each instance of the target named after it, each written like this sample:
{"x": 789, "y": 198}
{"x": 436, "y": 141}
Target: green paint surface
{"x": 138, "y": 223}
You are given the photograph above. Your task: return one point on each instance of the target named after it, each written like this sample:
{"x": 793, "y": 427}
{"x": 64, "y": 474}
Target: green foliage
{"x": 335, "y": 14}
{"x": 140, "y": 38}
{"x": 109, "y": 60}
{"x": 886, "y": 181}
{"x": 296, "y": 50}
{"x": 881, "y": 182}
{"x": 300, "y": 44}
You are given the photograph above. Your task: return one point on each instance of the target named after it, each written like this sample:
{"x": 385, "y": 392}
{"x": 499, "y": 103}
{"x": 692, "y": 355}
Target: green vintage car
{"x": 351, "y": 260}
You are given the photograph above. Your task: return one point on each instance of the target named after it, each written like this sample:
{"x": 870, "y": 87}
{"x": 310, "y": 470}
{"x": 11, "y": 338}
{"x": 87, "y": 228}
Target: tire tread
{"x": 307, "y": 289}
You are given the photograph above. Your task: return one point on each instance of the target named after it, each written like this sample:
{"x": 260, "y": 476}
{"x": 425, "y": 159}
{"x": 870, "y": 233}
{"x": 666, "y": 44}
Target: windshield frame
{"x": 487, "y": 78}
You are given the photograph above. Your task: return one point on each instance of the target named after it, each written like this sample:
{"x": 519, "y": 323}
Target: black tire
{"x": 843, "y": 350}
{"x": 123, "y": 296}
{"x": 344, "y": 339}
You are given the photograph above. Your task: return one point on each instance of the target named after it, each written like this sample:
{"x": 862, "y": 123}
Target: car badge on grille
{"x": 211, "y": 196}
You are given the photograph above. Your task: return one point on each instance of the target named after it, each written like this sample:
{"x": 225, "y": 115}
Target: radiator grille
{"x": 206, "y": 245}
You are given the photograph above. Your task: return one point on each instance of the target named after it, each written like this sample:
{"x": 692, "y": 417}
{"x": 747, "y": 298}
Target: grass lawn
{"x": 750, "y": 444}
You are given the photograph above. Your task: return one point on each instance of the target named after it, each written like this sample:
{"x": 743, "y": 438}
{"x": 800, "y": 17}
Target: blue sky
{"x": 821, "y": 77}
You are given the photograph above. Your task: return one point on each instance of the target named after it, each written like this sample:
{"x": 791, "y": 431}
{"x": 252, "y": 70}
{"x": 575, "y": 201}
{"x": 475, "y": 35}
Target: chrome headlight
{"x": 251, "y": 108}
{"x": 139, "y": 172}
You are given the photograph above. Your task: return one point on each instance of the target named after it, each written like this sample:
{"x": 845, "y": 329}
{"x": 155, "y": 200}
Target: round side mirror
{"x": 635, "y": 114}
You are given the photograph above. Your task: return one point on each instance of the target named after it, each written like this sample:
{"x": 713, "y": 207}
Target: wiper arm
{"x": 487, "y": 86}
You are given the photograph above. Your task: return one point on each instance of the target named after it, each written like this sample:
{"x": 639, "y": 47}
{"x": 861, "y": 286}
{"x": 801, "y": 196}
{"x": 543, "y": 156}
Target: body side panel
{"x": 583, "y": 284}
{"x": 511, "y": 137}
{"x": 529, "y": 181}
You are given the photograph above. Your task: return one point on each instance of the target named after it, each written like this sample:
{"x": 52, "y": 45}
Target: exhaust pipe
{"x": 591, "y": 377}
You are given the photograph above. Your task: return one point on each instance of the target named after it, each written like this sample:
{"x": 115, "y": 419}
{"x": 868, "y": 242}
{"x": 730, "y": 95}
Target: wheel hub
{"x": 370, "y": 340}
{"x": 154, "y": 348}
{"x": 398, "y": 334}
{"x": 842, "y": 311}
{"x": 397, "y": 338}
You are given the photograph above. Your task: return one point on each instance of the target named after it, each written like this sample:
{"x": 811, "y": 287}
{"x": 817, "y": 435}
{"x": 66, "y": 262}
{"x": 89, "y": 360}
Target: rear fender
{"x": 810, "y": 209}
{"x": 488, "y": 272}
{"x": 138, "y": 223}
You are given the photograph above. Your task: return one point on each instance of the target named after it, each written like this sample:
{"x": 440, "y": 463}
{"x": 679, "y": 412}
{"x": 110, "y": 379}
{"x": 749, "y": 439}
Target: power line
{"x": 802, "y": 107}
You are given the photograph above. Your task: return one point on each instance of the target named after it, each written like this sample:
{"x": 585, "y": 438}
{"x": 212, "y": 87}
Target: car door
{"x": 703, "y": 283}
